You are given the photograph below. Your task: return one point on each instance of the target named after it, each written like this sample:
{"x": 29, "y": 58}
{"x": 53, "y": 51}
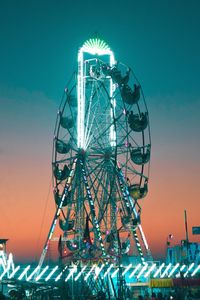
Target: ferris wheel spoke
{"x": 88, "y": 135}
{"x": 61, "y": 161}
{"x": 120, "y": 193}
{"x": 122, "y": 150}
{"x": 102, "y": 134}
{"x": 88, "y": 108}
{"x": 89, "y": 127}
{"x": 127, "y": 139}
{"x": 99, "y": 190}
{"x": 132, "y": 170}
{"x": 92, "y": 211}
{"x": 103, "y": 203}
{"x": 92, "y": 157}
{"x": 97, "y": 179}
{"x": 98, "y": 138}
{"x": 96, "y": 113}
{"x": 64, "y": 136}
{"x": 104, "y": 191}
{"x": 109, "y": 185}
{"x": 96, "y": 189}
{"x": 130, "y": 204}
{"x": 99, "y": 143}
{"x": 94, "y": 169}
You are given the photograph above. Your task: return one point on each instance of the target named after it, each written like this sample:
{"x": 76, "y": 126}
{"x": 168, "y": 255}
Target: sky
{"x": 39, "y": 41}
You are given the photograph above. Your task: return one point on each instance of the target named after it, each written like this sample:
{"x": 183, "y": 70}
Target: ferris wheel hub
{"x": 108, "y": 154}
{"x": 81, "y": 154}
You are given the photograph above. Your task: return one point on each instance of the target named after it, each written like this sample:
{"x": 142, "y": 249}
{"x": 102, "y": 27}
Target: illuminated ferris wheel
{"x": 101, "y": 159}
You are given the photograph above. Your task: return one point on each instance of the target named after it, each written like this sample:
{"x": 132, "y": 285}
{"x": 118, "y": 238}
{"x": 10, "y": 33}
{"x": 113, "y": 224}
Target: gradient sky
{"x": 38, "y": 50}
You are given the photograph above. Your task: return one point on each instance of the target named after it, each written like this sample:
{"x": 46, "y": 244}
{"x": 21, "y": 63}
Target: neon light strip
{"x": 143, "y": 238}
{"x": 7, "y": 262}
{"x": 166, "y": 270}
{"x": 24, "y": 272}
{"x": 159, "y": 270}
{"x": 189, "y": 269}
{"x": 33, "y": 273}
{"x": 149, "y": 271}
{"x": 138, "y": 244}
{"x": 51, "y": 273}
{"x": 181, "y": 269}
{"x": 4, "y": 272}
{"x": 88, "y": 274}
{"x": 3, "y": 259}
{"x": 173, "y": 270}
{"x": 10, "y": 261}
{"x": 195, "y": 270}
{"x": 81, "y": 102}
{"x": 2, "y": 263}
{"x": 59, "y": 276}
{"x": 13, "y": 272}
{"x": 108, "y": 270}
{"x": 98, "y": 270}
{"x": 42, "y": 273}
{"x": 88, "y": 135}
{"x": 79, "y": 274}
{"x": 115, "y": 273}
{"x": 142, "y": 271}
{"x": 134, "y": 271}
{"x": 94, "y": 47}
{"x": 126, "y": 270}
{"x": 71, "y": 273}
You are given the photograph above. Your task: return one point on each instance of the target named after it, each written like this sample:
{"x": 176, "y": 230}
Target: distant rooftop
{"x": 3, "y": 241}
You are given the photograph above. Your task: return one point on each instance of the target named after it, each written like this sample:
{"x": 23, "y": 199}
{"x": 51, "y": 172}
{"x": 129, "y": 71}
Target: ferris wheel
{"x": 101, "y": 154}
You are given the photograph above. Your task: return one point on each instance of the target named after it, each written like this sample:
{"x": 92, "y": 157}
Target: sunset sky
{"x": 38, "y": 53}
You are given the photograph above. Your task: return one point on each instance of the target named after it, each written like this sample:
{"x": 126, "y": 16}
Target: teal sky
{"x": 38, "y": 53}
{"x": 160, "y": 39}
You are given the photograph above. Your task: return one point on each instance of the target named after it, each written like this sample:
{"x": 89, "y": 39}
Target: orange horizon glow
{"x": 162, "y": 213}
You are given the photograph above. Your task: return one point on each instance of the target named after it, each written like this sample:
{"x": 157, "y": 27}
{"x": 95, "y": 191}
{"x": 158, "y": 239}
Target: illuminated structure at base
{"x": 139, "y": 272}
{"x": 100, "y": 161}
{"x": 90, "y": 280}
{"x": 6, "y": 261}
